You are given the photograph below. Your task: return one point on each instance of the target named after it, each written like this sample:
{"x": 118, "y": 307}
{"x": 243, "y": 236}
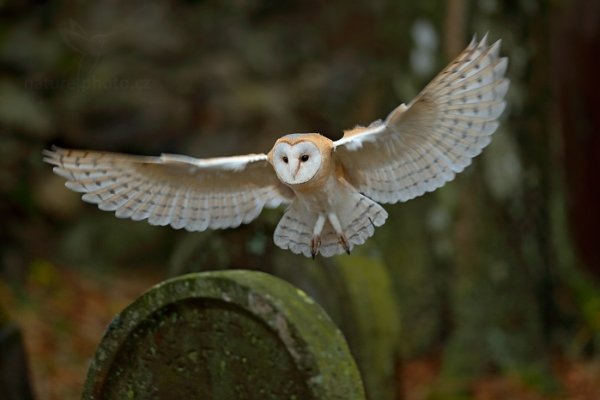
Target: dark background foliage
{"x": 496, "y": 274}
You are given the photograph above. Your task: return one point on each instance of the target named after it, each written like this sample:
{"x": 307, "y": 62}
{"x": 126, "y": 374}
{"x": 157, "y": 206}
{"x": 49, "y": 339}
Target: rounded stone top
{"x": 223, "y": 335}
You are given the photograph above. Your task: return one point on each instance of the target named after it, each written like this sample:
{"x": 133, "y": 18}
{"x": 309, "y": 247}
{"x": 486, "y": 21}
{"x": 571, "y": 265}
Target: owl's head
{"x": 299, "y": 157}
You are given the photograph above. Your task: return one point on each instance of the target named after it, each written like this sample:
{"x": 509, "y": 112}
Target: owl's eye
{"x": 285, "y": 159}
{"x": 304, "y": 158}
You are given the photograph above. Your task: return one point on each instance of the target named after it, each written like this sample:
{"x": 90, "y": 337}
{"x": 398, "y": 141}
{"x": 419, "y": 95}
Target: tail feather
{"x": 358, "y": 216}
{"x": 295, "y": 229}
{"x": 366, "y": 215}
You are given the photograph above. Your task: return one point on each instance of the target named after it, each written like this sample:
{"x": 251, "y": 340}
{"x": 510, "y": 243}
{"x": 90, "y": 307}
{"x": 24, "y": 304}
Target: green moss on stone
{"x": 223, "y": 335}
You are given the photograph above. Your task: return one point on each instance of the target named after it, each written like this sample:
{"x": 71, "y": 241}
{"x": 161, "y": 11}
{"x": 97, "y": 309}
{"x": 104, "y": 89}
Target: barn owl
{"x": 332, "y": 189}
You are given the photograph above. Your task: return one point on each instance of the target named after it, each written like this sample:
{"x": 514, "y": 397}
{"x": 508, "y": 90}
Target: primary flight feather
{"x": 332, "y": 188}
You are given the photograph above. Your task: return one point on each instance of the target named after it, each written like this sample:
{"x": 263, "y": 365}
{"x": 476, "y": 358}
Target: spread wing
{"x": 420, "y": 147}
{"x": 181, "y": 191}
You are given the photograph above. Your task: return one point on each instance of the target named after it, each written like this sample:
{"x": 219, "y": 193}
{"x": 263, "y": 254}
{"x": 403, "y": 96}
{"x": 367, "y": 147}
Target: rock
{"x": 14, "y": 374}
{"x": 223, "y": 335}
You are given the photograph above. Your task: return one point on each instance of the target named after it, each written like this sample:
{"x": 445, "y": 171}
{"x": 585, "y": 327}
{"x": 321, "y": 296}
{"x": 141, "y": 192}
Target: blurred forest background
{"x": 487, "y": 288}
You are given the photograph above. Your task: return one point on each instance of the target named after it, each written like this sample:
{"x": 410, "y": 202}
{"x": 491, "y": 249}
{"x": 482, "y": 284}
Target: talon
{"x": 315, "y": 244}
{"x": 344, "y": 243}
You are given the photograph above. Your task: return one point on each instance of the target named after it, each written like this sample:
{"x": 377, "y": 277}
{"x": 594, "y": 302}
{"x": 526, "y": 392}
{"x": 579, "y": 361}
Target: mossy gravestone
{"x": 223, "y": 335}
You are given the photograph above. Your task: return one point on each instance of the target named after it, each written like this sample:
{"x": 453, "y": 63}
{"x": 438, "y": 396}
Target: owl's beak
{"x": 297, "y": 169}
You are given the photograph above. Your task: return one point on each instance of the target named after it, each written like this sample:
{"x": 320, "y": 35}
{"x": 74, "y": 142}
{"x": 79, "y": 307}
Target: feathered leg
{"x": 337, "y": 226}
{"x": 315, "y": 242}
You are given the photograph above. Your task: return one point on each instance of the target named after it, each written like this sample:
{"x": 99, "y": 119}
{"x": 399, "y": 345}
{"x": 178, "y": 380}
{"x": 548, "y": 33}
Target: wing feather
{"x": 420, "y": 147}
{"x": 181, "y": 191}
